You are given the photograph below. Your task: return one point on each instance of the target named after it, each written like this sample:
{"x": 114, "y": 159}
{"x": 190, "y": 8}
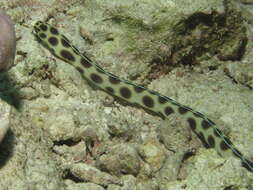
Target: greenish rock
{"x": 152, "y": 153}
{"x": 120, "y": 159}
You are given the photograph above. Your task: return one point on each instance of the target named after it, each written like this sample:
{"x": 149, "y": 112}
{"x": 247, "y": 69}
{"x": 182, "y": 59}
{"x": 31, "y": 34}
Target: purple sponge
{"x": 7, "y": 42}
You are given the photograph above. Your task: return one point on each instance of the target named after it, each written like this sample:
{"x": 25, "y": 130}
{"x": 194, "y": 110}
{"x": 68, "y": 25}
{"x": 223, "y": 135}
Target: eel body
{"x": 150, "y": 100}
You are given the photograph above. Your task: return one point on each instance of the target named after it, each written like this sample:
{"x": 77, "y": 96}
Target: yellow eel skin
{"x": 150, "y": 100}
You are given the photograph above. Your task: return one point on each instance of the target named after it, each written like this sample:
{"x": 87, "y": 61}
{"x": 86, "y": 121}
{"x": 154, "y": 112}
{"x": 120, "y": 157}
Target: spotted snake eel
{"x": 150, "y": 100}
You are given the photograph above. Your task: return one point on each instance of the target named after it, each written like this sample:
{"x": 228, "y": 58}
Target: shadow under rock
{"x": 8, "y": 92}
{"x": 10, "y": 95}
{"x": 6, "y": 148}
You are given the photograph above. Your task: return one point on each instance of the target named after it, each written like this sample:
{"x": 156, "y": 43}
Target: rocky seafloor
{"x": 64, "y": 134}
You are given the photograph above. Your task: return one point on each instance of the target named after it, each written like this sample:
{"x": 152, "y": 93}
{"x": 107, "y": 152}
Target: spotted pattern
{"x": 182, "y": 110}
{"x": 201, "y": 136}
{"x": 138, "y": 89}
{"x": 54, "y": 31}
{"x": 168, "y": 110}
{"x": 85, "y": 63}
{"x": 205, "y": 124}
{"x": 67, "y": 55}
{"x": 110, "y": 90}
{"x": 53, "y": 41}
{"x": 114, "y": 80}
{"x": 192, "y": 123}
{"x": 64, "y": 43}
{"x": 125, "y": 92}
{"x": 225, "y": 145}
{"x": 42, "y": 35}
{"x": 43, "y": 27}
{"x": 162, "y": 100}
{"x": 162, "y": 105}
{"x": 211, "y": 141}
{"x": 217, "y": 132}
{"x": 96, "y": 78}
{"x": 80, "y": 69}
{"x": 148, "y": 101}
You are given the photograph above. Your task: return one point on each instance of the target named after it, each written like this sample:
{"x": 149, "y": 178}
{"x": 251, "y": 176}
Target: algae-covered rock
{"x": 120, "y": 159}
